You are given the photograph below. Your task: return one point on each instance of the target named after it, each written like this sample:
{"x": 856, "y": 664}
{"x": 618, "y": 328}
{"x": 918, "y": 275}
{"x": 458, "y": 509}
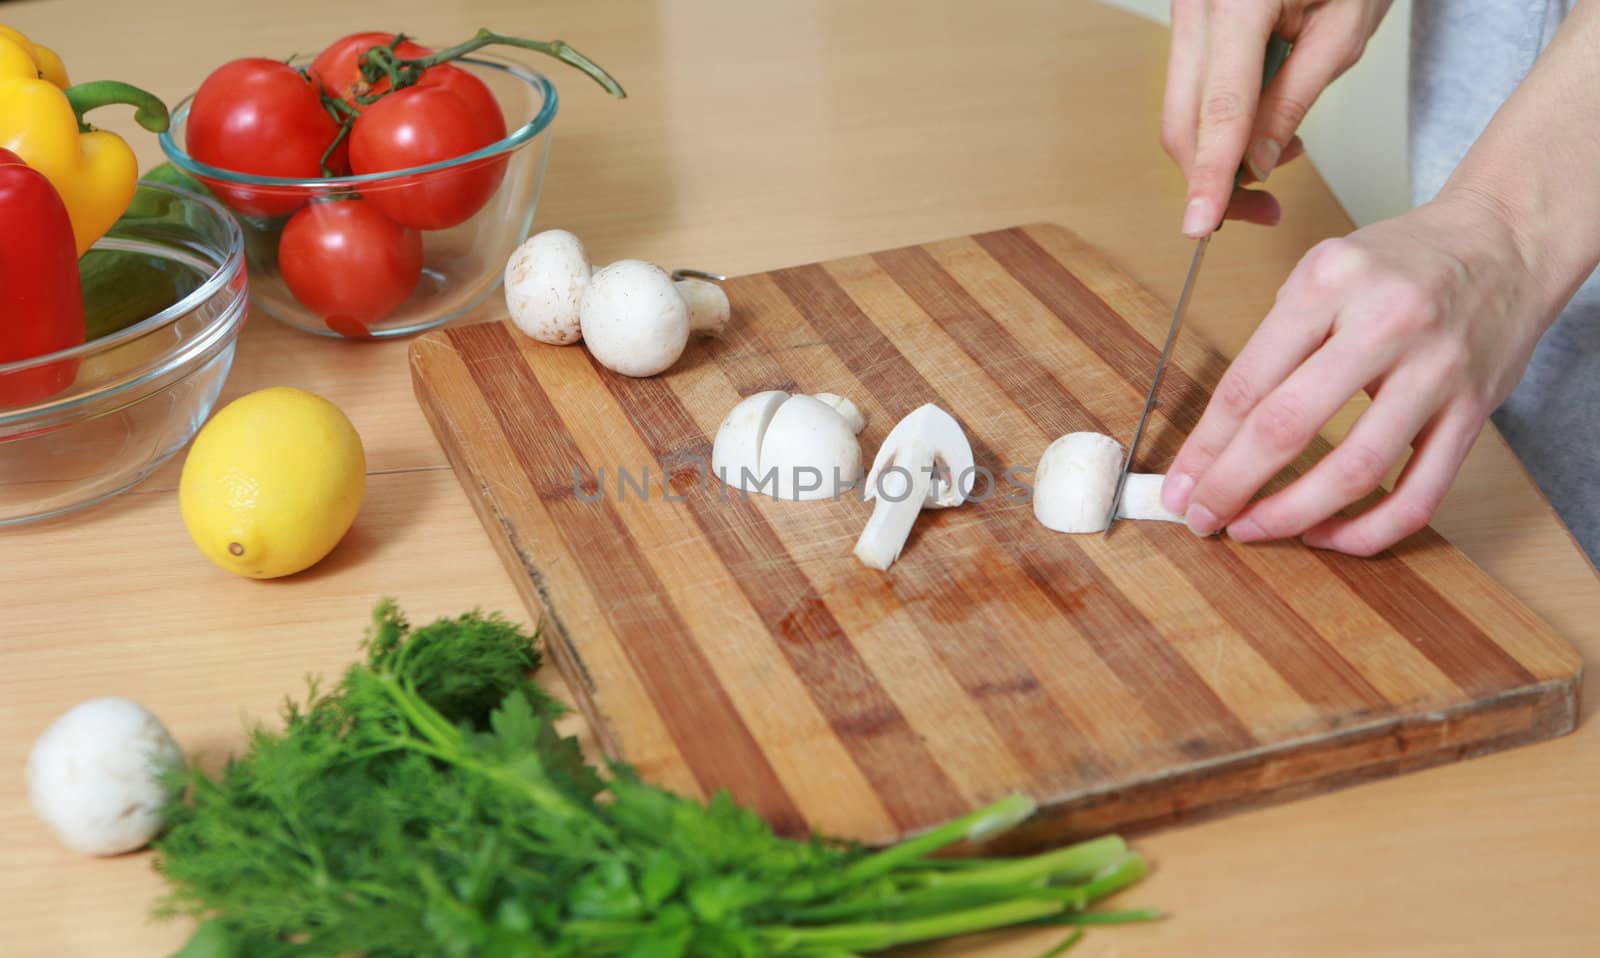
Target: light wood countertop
{"x": 756, "y": 136}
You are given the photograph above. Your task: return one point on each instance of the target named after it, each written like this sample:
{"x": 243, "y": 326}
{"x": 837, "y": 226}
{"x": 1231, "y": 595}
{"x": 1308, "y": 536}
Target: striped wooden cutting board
{"x": 717, "y": 642}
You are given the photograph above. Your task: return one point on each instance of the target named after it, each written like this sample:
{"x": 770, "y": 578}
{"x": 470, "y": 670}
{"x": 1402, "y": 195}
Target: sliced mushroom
{"x": 736, "y": 452}
{"x": 788, "y": 447}
{"x": 636, "y": 320}
{"x": 924, "y": 462}
{"x": 545, "y": 280}
{"x": 1077, "y": 479}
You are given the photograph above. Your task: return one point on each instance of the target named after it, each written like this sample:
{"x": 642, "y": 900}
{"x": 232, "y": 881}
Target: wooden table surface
{"x": 756, "y": 136}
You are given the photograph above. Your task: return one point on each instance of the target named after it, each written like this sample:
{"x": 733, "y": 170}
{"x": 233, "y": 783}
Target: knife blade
{"x": 1277, "y": 51}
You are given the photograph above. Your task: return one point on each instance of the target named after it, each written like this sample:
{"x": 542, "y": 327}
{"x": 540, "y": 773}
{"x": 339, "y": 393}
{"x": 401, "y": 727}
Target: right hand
{"x": 1215, "y": 113}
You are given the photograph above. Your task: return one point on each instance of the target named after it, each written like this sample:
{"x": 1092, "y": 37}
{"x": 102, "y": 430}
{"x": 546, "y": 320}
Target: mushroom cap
{"x": 947, "y": 451}
{"x": 736, "y": 452}
{"x": 545, "y": 280}
{"x": 1076, "y": 481}
{"x": 95, "y": 775}
{"x": 812, "y": 448}
{"x": 633, "y": 320}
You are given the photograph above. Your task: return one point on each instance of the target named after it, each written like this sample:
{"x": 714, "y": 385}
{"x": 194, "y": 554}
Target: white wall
{"x": 1356, "y": 134}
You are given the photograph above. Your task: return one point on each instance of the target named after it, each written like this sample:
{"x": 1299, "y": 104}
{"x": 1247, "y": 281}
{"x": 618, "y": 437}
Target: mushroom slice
{"x": 1077, "y": 479}
{"x": 736, "y": 452}
{"x": 813, "y": 450}
{"x": 924, "y": 462}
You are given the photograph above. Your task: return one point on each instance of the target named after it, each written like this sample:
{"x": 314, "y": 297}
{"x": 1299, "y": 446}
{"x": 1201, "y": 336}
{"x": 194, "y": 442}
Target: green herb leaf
{"x": 426, "y": 806}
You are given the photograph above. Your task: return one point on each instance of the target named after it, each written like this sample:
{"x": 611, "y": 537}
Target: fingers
{"x": 1255, "y": 206}
{"x": 1280, "y": 427}
{"x": 1235, "y": 43}
{"x": 1416, "y": 496}
{"x": 1291, "y": 331}
{"x": 1318, "y": 59}
{"x": 1292, "y": 152}
{"x": 1354, "y": 468}
{"x": 1185, "y": 65}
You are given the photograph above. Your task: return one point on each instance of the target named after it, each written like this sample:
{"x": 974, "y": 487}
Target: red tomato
{"x": 415, "y": 126}
{"x": 338, "y": 68}
{"x": 480, "y": 101}
{"x": 261, "y": 116}
{"x": 348, "y": 263}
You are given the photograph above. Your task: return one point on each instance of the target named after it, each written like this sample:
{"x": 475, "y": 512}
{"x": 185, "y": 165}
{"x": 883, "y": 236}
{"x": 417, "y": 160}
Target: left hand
{"x": 1434, "y": 313}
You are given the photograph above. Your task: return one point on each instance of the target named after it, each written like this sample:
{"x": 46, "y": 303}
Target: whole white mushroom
{"x": 636, "y": 321}
{"x": 95, "y": 775}
{"x": 545, "y": 280}
{"x": 1077, "y": 480}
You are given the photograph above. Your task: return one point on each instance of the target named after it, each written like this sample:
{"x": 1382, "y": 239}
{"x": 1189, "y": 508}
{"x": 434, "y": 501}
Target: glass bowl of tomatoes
{"x": 377, "y": 254}
{"x": 164, "y": 296}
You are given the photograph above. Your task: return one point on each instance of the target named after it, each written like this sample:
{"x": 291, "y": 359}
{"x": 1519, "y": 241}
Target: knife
{"x": 1277, "y": 51}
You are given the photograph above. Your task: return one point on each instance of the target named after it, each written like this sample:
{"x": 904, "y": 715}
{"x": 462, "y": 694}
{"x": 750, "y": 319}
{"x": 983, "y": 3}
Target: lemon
{"x": 272, "y": 483}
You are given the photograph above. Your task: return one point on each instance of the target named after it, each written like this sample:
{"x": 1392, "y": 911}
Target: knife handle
{"x": 1277, "y": 51}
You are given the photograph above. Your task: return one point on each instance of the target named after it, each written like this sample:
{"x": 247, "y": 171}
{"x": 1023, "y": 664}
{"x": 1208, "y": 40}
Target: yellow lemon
{"x": 272, "y": 483}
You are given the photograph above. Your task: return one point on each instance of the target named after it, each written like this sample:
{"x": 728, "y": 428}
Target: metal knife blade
{"x": 1277, "y": 51}
{"x": 1155, "y": 381}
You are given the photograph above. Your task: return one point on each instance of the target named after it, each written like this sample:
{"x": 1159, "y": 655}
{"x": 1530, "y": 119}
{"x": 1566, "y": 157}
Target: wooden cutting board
{"x": 717, "y": 642}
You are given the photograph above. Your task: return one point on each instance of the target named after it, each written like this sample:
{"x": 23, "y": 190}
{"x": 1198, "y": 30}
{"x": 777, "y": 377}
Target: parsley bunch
{"x": 427, "y": 807}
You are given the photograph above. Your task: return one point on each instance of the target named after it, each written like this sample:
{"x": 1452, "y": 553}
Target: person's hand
{"x": 1215, "y": 113}
{"x": 1435, "y": 313}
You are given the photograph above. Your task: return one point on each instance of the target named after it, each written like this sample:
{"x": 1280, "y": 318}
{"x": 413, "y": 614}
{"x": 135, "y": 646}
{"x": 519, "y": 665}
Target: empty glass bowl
{"x": 462, "y": 260}
{"x": 168, "y": 281}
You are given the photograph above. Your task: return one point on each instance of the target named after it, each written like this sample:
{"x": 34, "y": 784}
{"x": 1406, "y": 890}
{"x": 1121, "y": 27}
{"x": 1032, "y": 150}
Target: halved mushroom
{"x": 789, "y": 447}
{"x": 636, "y": 320}
{"x": 1077, "y": 479}
{"x": 924, "y": 462}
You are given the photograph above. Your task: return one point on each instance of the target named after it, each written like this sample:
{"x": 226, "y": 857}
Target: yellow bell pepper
{"x": 45, "y": 60}
{"x": 95, "y": 172}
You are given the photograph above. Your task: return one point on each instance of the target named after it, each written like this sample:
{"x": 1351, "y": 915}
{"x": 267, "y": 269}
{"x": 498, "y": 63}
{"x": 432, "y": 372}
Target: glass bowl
{"x": 461, "y": 263}
{"x": 167, "y": 284}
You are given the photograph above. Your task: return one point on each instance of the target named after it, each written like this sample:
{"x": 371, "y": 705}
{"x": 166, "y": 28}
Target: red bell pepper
{"x": 41, "y": 302}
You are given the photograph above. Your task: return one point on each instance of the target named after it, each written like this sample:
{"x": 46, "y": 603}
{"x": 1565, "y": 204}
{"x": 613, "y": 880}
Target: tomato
{"x": 260, "y": 116}
{"x": 480, "y": 101}
{"x": 349, "y": 263}
{"x": 415, "y": 126}
{"x": 338, "y": 68}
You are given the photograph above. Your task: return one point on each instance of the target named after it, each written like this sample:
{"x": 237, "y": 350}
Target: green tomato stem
{"x": 553, "y": 48}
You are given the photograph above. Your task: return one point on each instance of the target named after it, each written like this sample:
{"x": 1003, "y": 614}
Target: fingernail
{"x": 1198, "y": 219}
{"x": 1246, "y": 530}
{"x": 1263, "y": 157}
{"x": 1202, "y": 521}
{"x": 1175, "y": 491}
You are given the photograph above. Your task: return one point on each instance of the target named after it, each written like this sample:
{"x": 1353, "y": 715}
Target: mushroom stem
{"x": 847, "y": 410}
{"x": 889, "y": 527}
{"x": 1141, "y": 499}
{"x": 708, "y": 305}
